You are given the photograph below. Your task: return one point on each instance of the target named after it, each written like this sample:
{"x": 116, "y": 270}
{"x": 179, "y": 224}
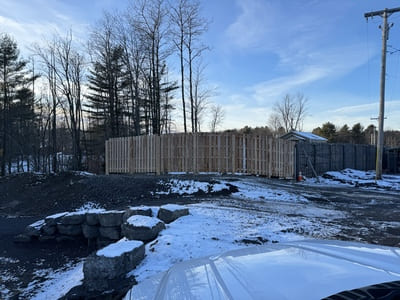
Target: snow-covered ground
{"x": 255, "y": 214}
{"x": 363, "y": 179}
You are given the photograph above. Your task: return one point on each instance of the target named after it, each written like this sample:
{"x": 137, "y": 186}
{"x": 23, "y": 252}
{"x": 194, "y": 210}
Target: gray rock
{"x": 110, "y": 218}
{"x": 54, "y": 219}
{"x": 113, "y": 233}
{"x": 170, "y": 212}
{"x": 70, "y": 230}
{"x": 89, "y": 231}
{"x": 92, "y": 219}
{"x": 22, "y": 238}
{"x": 49, "y": 229}
{"x": 73, "y": 219}
{"x": 34, "y": 229}
{"x": 110, "y": 263}
{"x": 140, "y": 210}
{"x": 142, "y": 228}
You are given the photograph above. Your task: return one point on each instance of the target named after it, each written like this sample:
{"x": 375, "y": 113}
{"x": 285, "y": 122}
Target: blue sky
{"x": 262, "y": 50}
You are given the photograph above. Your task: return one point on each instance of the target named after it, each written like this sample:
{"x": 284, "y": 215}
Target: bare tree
{"x": 290, "y": 112}
{"x": 196, "y": 27}
{"x": 217, "y": 117}
{"x": 134, "y": 58}
{"x": 201, "y": 95}
{"x": 151, "y": 26}
{"x": 64, "y": 67}
{"x": 187, "y": 28}
{"x": 178, "y": 20}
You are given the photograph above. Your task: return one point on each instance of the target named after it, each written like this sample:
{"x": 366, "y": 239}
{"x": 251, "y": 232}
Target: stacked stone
{"x": 102, "y": 227}
{"x": 123, "y": 233}
{"x": 109, "y": 265}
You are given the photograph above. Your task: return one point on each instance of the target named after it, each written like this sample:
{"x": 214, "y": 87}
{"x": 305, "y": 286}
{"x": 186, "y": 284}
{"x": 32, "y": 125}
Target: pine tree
{"x": 106, "y": 106}
{"x": 13, "y": 77}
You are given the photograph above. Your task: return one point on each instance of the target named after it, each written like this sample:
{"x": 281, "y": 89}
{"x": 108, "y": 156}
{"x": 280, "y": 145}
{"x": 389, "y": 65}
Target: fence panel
{"x": 202, "y": 152}
{"x": 333, "y": 157}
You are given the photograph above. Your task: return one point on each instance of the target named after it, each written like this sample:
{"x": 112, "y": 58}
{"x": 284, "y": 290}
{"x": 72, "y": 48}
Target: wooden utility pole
{"x": 385, "y": 31}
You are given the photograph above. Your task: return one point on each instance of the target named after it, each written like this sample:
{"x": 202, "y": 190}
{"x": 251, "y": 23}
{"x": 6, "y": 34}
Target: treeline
{"x": 357, "y": 134}
{"x": 58, "y": 109}
{"x": 335, "y": 134}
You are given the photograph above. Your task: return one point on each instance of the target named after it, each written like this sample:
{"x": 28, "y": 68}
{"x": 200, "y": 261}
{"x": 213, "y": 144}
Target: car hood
{"x": 296, "y": 270}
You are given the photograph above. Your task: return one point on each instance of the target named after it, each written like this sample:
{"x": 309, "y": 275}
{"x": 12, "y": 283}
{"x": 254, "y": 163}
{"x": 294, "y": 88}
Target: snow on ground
{"x": 255, "y": 214}
{"x": 211, "y": 229}
{"x": 258, "y": 191}
{"x": 58, "y": 284}
{"x": 188, "y": 187}
{"x": 364, "y": 179}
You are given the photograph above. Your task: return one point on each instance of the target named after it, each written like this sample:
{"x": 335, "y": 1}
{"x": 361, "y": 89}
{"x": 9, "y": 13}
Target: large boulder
{"x": 137, "y": 210}
{"x": 49, "y": 229}
{"x": 54, "y": 219}
{"x": 34, "y": 229}
{"x": 92, "y": 219}
{"x": 89, "y": 231}
{"x": 74, "y": 218}
{"x": 110, "y": 218}
{"x": 111, "y": 262}
{"x": 142, "y": 228}
{"x": 112, "y": 233}
{"x": 170, "y": 212}
{"x": 69, "y": 230}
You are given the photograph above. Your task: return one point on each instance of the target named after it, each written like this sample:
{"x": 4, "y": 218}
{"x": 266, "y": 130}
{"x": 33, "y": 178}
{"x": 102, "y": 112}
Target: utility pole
{"x": 385, "y": 33}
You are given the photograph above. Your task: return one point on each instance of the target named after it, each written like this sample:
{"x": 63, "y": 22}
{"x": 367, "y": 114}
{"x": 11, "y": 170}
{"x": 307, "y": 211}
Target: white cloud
{"x": 368, "y": 107}
{"x": 301, "y": 39}
{"x": 37, "y": 20}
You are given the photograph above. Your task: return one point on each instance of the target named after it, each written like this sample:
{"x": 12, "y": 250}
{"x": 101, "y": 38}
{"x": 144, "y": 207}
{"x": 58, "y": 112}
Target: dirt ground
{"x": 41, "y": 195}
{"x": 370, "y": 216}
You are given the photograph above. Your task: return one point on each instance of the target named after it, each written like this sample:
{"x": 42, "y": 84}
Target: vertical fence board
{"x": 201, "y": 152}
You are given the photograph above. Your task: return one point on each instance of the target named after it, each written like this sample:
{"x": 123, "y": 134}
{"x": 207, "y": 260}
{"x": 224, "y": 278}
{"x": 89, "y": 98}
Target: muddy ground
{"x": 369, "y": 215}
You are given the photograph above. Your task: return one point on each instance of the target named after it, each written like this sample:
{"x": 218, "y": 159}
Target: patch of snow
{"x": 142, "y": 221}
{"x": 254, "y": 191}
{"x": 117, "y": 249}
{"x": 209, "y": 230}
{"x": 362, "y": 179}
{"x": 110, "y": 211}
{"x": 173, "y": 207}
{"x": 189, "y": 187}
{"x": 90, "y": 207}
{"x": 84, "y": 173}
{"x": 58, "y": 284}
{"x": 55, "y": 216}
{"x": 218, "y": 187}
{"x": 8, "y": 260}
{"x": 38, "y": 224}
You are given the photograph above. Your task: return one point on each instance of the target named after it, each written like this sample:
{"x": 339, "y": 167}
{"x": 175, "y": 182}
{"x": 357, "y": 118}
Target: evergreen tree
{"x": 13, "y": 77}
{"x": 106, "y": 105}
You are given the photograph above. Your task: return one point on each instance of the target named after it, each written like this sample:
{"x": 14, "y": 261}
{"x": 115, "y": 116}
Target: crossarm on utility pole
{"x": 381, "y": 12}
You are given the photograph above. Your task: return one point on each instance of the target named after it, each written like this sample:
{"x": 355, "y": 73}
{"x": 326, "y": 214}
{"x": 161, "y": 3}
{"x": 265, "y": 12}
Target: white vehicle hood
{"x": 296, "y": 270}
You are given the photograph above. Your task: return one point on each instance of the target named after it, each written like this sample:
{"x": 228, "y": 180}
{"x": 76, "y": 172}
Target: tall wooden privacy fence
{"x": 201, "y": 152}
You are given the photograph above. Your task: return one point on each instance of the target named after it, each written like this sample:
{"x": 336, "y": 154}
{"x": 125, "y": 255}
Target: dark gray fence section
{"x": 391, "y": 160}
{"x": 321, "y": 157}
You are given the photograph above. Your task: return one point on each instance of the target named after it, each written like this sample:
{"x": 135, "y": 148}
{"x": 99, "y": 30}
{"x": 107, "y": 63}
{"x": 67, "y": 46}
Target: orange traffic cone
{"x": 300, "y": 177}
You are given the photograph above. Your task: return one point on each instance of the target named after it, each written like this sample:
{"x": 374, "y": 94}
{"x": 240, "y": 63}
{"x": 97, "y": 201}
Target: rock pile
{"x": 122, "y": 232}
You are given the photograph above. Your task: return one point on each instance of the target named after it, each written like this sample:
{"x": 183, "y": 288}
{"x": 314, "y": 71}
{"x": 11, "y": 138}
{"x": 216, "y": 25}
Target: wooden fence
{"x": 201, "y": 152}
